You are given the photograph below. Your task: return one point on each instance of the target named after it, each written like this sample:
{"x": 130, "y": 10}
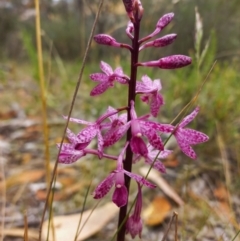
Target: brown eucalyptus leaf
{"x": 66, "y": 226}
{"x": 157, "y": 211}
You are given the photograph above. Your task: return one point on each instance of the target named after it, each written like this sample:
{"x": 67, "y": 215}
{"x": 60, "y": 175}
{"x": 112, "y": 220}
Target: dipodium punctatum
{"x": 143, "y": 135}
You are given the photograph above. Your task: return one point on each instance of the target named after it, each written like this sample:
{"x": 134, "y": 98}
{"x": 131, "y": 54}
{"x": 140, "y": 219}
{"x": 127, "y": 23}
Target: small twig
{"x": 78, "y": 231}
{"x": 174, "y": 216}
{"x": 236, "y": 235}
{"x": 176, "y": 226}
{"x": 25, "y": 226}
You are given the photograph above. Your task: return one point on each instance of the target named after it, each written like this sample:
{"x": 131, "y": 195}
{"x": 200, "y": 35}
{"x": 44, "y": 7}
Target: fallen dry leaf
{"x": 66, "y": 226}
{"x": 62, "y": 194}
{"x": 156, "y": 177}
{"x": 221, "y": 193}
{"x": 24, "y": 177}
{"x": 18, "y": 232}
{"x": 157, "y": 211}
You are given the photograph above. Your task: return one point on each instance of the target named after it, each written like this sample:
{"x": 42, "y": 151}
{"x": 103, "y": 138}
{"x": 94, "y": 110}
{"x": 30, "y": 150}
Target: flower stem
{"x": 131, "y": 96}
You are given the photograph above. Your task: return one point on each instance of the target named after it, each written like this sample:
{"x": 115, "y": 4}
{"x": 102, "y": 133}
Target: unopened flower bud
{"x": 110, "y": 41}
{"x": 169, "y": 62}
{"x": 129, "y": 30}
{"x": 128, "y": 4}
{"x": 164, "y": 20}
{"x": 160, "y": 42}
{"x": 139, "y": 9}
{"x": 106, "y": 40}
{"x": 161, "y": 24}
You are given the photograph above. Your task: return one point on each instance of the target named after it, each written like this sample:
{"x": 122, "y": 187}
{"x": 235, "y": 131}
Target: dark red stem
{"x": 129, "y": 154}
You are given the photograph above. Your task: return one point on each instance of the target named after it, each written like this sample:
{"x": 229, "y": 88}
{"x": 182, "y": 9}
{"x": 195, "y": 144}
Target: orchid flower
{"x": 107, "y": 78}
{"x": 120, "y": 195}
{"x": 92, "y": 130}
{"x": 186, "y": 137}
{"x": 149, "y": 91}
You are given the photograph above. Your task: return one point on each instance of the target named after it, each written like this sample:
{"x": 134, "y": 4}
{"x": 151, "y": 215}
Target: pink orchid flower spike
{"x": 149, "y": 91}
{"x": 120, "y": 194}
{"x": 107, "y": 78}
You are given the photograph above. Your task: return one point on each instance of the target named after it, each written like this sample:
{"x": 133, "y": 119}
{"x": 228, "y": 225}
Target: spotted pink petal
{"x": 78, "y": 121}
{"x": 65, "y": 146}
{"x": 156, "y": 103}
{"x": 153, "y": 137}
{"x": 161, "y": 155}
{"x": 156, "y": 164}
{"x": 147, "y": 81}
{"x": 87, "y": 134}
{"x": 112, "y": 117}
{"x": 118, "y": 71}
{"x": 121, "y": 80}
{"x": 119, "y": 76}
{"x": 140, "y": 179}
{"x": 157, "y": 84}
{"x": 112, "y": 137}
{"x": 100, "y": 88}
{"x": 71, "y": 136}
{"x": 185, "y": 146}
{"x": 123, "y": 118}
{"x": 194, "y": 137}
{"x": 106, "y": 68}
{"x": 164, "y": 128}
{"x": 142, "y": 88}
{"x": 99, "y": 77}
{"x": 104, "y": 187}
{"x": 189, "y": 117}
{"x": 70, "y": 156}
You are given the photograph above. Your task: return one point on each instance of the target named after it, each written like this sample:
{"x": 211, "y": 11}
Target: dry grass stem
{"x": 174, "y": 216}
{"x": 25, "y": 226}
{"x": 3, "y": 196}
